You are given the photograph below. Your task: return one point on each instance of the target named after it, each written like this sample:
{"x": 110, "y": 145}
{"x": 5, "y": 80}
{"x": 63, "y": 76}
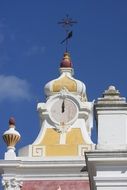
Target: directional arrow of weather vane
{"x": 67, "y": 23}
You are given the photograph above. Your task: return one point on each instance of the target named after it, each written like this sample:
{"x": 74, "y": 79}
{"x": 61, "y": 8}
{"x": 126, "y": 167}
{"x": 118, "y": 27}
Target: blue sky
{"x": 30, "y": 54}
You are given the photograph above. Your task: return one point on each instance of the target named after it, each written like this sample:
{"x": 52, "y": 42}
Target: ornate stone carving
{"x": 12, "y": 184}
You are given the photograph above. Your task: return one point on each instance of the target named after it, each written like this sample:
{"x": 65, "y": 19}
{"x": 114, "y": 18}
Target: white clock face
{"x": 63, "y": 111}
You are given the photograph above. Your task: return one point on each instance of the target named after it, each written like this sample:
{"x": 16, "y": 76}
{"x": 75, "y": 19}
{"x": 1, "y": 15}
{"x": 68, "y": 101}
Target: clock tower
{"x": 55, "y": 160}
{"x": 65, "y": 117}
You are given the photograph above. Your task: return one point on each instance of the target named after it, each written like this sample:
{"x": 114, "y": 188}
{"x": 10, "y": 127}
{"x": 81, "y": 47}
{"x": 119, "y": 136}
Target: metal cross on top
{"x": 67, "y": 23}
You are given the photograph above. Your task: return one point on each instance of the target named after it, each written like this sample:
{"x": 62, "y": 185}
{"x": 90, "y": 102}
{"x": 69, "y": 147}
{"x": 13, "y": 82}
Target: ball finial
{"x": 11, "y": 137}
{"x": 12, "y": 121}
{"x": 66, "y": 61}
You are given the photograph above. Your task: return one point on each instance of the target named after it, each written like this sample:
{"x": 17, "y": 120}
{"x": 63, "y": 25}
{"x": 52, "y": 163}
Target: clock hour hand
{"x": 63, "y": 107}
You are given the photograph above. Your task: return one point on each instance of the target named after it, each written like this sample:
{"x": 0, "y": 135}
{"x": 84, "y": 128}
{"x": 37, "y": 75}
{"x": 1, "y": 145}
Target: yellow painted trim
{"x": 75, "y": 137}
{"x": 11, "y": 139}
{"x": 51, "y": 137}
{"x": 61, "y": 150}
{"x": 51, "y": 142}
{"x": 66, "y": 82}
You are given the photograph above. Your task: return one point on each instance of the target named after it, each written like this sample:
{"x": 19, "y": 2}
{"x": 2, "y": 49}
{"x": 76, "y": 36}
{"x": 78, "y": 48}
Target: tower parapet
{"x": 111, "y": 117}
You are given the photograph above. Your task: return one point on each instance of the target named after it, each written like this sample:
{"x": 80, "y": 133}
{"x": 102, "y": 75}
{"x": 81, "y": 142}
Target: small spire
{"x": 66, "y": 61}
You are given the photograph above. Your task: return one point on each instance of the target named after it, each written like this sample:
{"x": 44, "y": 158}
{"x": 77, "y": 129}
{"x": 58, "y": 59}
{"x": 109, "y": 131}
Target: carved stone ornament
{"x": 12, "y": 184}
{"x": 63, "y": 93}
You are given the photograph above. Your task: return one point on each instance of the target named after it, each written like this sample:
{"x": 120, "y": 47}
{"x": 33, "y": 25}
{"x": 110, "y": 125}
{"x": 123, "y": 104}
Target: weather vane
{"x": 67, "y": 23}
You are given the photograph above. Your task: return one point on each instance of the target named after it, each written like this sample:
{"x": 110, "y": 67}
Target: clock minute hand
{"x": 63, "y": 106}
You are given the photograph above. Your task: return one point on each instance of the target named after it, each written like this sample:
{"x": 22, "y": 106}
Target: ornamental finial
{"x": 67, "y": 23}
{"x": 11, "y": 137}
{"x": 11, "y": 121}
{"x": 66, "y": 61}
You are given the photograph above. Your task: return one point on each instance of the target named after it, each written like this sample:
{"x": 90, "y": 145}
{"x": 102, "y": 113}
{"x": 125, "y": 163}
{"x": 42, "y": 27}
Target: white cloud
{"x": 14, "y": 89}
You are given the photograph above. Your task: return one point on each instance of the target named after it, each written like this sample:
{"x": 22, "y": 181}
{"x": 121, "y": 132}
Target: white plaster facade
{"x": 111, "y": 117}
{"x": 107, "y": 165}
{"x": 107, "y": 170}
{"x": 15, "y": 172}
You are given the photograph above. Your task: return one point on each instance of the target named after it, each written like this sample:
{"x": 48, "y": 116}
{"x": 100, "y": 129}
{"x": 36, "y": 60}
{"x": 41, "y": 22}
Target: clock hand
{"x": 63, "y": 106}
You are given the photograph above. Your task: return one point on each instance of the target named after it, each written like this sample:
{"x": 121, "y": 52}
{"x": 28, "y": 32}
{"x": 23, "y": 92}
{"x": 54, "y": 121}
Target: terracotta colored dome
{"x": 12, "y": 121}
{"x": 66, "y": 61}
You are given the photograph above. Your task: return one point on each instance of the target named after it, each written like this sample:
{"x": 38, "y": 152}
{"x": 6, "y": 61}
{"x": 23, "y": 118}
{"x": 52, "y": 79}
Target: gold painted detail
{"x": 11, "y": 139}
{"x": 52, "y": 147}
{"x": 75, "y": 137}
{"x": 51, "y": 137}
{"x": 66, "y": 82}
{"x": 61, "y": 150}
